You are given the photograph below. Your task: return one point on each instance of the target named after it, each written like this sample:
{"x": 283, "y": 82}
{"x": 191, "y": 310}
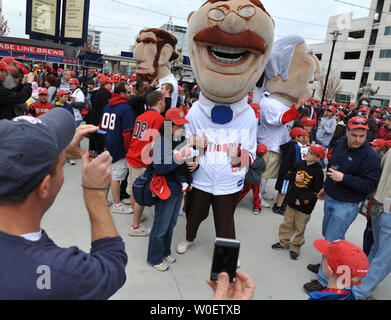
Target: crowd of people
{"x": 145, "y": 119}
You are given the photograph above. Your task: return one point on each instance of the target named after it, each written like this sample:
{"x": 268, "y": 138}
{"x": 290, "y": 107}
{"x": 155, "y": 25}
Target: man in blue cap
{"x": 32, "y": 153}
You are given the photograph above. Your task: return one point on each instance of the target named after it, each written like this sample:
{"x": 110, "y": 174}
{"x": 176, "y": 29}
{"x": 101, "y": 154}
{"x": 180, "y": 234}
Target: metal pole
{"x": 335, "y": 38}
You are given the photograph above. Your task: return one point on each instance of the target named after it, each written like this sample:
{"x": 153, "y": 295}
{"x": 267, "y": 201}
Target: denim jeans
{"x": 379, "y": 258}
{"x": 166, "y": 216}
{"x": 338, "y": 216}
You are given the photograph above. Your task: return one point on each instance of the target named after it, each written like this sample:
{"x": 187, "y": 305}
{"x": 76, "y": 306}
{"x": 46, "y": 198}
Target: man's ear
{"x": 44, "y": 187}
{"x": 165, "y": 54}
{"x": 189, "y": 16}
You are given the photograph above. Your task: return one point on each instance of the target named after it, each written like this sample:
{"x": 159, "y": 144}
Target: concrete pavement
{"x": 276, "y": 276}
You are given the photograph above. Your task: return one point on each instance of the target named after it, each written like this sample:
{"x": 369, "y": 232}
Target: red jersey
{"x": 146, "y": 129}
{"x": 40, "y": 108}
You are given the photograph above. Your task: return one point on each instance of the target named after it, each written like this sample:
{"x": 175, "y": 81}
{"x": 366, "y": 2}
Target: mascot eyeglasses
{"x": 219, "y": 14}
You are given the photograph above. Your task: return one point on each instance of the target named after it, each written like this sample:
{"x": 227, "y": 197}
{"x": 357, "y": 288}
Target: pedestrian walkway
{"x": 276, "y": 276}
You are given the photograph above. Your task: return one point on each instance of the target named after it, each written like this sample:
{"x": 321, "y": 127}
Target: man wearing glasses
{"x": 353, "y": 173}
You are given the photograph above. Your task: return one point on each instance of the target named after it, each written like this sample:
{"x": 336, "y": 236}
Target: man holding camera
{"x": 33, "y": 267}
{"x": 10, "y": 97}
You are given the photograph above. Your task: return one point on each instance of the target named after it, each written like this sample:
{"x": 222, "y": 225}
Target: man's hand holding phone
{"x": 242, "y": 289}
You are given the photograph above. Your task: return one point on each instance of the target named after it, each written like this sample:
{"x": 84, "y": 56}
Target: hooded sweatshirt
{"x": 118, "y": 121}
{"x": 324, "y": 135}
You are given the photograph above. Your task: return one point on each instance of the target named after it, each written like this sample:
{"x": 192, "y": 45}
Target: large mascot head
{"x": 229, "y": 43}
{"x": 154, "y": 51}
{"x": 292, "y": 68}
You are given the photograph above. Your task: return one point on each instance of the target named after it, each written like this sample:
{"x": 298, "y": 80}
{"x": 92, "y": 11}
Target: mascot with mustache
{"x": 229, "y": 44}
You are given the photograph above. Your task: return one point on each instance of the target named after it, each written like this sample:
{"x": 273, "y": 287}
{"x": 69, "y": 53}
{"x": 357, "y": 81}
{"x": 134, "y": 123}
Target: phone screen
{"x": 98, "y": 143}
{"x": 225, "y": 258}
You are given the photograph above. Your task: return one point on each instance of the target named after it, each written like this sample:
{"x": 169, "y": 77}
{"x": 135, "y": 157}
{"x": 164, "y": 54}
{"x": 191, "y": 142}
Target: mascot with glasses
{"x": 229, "y": 44}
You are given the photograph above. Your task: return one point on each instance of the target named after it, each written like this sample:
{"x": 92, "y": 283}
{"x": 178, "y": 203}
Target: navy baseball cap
{"x": 29, "y": 148}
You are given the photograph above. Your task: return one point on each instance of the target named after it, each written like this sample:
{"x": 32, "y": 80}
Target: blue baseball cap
{"x": 29, "y": 148}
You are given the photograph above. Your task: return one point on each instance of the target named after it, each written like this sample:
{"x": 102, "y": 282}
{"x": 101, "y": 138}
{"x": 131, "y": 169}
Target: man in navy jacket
{"x": 33, "y": 152}
{"x": 353, "y": 173}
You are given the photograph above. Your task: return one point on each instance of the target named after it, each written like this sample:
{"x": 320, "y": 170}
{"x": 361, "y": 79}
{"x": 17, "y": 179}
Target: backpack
{"x": 141, "y": 189}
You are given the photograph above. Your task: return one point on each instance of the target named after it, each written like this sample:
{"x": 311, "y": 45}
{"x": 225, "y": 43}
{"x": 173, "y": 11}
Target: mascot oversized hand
{"x": 229, "y": 43}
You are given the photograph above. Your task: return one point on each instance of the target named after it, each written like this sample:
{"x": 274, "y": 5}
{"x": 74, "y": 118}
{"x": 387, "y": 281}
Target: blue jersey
{"x": 117, "y": 120}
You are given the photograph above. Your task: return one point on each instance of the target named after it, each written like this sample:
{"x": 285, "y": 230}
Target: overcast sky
{"x": 120, "y": 21}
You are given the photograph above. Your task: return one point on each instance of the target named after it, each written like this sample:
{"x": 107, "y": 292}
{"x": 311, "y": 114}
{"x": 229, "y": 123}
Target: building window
{"x": 385, "y": 53}
{"x": 355, "y": 55}
{"x": 387, "y": 32}
{"x": 343, "y": 98}
{"x": 348, "y": 75}
{"x": 383, "y": 76}
{"x": 357, "y": 34}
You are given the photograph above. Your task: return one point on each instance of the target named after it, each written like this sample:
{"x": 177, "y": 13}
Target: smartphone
{"x": 98, "y": 143}
{"x": 225, "y": 258}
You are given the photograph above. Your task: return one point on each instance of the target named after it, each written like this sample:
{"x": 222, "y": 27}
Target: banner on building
{"x": 43, "y": 18}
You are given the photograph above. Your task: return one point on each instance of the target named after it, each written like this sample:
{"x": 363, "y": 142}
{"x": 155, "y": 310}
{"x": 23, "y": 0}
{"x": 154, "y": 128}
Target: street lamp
{"x": 335, "y": 35}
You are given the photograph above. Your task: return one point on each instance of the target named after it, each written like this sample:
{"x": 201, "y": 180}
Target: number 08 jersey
{"x": 146, "y": 128}
{"x": 117, "y": 119}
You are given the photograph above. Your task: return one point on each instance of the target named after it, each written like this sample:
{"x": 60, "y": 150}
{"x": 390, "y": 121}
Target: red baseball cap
{"x": 104, "y": 80}
{"x": 43, "y": 91}
{"x": 159, "y": 187}
{"x": 177, "y": 116}
{"x": 261, "y": 149}
{"x": 9, "y": 60}
{"x": 116, "y": 78}
{"x": 4, "y": 66}
{"x": 124, "y": 78}
{"x": 319, "y": 150}
{"x": 387, "y": 143}
{"x": 61, "y": 93}
{"x": 332, "y": 109}
{"x": 358, "y": 123}
{"x": 257, "y": 109}
{"x": 295, "y": 132}
{"x": 342, "y": 253}
{"x": 340, "y": 113}
{"x": 304, "y": 132}
{"x": 378, "y": 143}
{"x": 364, "y": 109}
{"x": 74, "y": 81}
{"x": 379, "y": 110}
{"x": 307, "y": 122}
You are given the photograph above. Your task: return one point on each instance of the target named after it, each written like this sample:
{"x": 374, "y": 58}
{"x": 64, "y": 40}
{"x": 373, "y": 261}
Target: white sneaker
{"x": 182, "y": 213}
{"x": 265, "y": 204}
{"x": 267, "y": 196}
{"x": 126, "y": 201}
{"x": 141, "y": 231}
{"x": 170, "y": 259}
{"x": 122, "y": 209}
{"x": 183, "y": 246}
{"x": 161, "y": 267}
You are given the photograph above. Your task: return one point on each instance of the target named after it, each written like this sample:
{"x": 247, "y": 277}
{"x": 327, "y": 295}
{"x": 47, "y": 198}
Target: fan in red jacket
{"x": 385, "y": 130}
{"x": 42, "y": 106}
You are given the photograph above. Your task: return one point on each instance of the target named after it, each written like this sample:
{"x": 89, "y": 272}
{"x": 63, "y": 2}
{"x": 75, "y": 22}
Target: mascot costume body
{"x": 154, "y": 51}
{"x": 288, "y": 82}
{"x": 229, "y": 44}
